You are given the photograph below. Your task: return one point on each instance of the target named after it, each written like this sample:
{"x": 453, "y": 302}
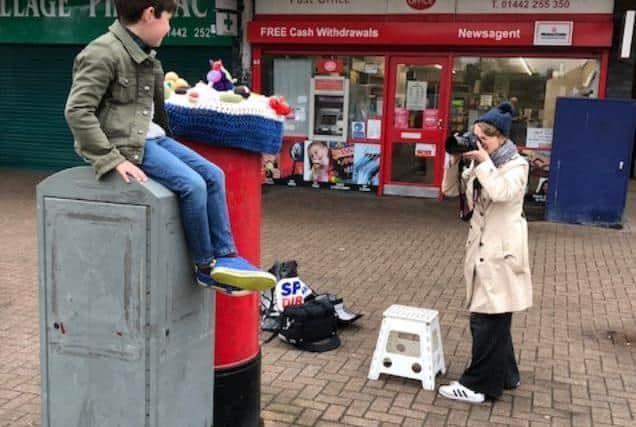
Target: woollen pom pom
{"x": 506, "y": 107}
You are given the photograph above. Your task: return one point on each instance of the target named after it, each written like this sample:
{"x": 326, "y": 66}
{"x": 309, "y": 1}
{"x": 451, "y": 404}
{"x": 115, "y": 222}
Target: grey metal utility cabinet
{"x": 126, "y": 339}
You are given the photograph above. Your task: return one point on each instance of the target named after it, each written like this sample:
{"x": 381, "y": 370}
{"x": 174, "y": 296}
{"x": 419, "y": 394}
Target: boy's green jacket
{"x": 111, "y": 100}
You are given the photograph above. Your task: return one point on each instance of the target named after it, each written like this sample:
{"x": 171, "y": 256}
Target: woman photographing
{"x": 496, "y": 267}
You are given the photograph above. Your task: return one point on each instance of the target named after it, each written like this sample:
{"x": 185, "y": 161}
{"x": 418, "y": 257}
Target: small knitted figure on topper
{"x": 218, "y": 77}
{"x": 280, "y": 105}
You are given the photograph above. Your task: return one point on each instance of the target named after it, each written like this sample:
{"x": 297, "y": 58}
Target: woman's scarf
{"x": 504, "y": 153}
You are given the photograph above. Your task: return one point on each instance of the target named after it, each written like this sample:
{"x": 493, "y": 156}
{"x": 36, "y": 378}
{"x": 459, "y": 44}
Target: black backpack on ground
{"x": 311, "y": 326}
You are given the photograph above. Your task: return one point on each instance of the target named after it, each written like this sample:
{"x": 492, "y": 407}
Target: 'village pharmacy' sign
{"x": 196, "y": 22}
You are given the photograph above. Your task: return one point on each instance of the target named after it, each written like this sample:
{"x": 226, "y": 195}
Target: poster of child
{"x": 366, "y": 164}
{"x": 330, "y": 162}
{"x": 317, "y": 162}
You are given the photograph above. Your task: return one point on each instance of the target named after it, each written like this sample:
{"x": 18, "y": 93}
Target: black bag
{"x": 310, "y": 326}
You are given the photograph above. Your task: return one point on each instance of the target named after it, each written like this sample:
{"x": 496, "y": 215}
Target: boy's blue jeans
{"x": 200, "y": 186}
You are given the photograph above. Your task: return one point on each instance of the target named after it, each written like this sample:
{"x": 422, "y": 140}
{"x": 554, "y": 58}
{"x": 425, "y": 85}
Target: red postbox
{"x": 237, "y": 356}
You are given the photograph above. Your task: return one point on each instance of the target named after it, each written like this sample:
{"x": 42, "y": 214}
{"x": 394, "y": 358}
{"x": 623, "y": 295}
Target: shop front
{"x": 377, "y": 85}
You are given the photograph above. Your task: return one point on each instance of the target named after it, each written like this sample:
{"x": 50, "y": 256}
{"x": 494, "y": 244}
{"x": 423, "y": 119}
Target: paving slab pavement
{"x": 575, "y": 346}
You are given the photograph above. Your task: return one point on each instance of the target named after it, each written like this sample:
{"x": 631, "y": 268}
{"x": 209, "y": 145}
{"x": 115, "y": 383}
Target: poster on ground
{"x": 328, "y": 162}
{"x": 366, "y": 164}
{"x": 287, "y": 166}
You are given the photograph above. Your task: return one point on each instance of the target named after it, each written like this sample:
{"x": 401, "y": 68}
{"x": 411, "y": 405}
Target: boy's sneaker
{"x": 204, "y": 279}
{"x": 237, "y": 272}
{"x": 456, "y": 391}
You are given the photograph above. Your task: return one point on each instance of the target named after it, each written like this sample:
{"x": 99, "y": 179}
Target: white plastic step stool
{"x": 409, "y": 345}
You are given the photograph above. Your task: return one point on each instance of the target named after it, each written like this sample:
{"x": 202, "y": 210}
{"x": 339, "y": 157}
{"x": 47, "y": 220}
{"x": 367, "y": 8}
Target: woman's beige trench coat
{"x": 496, "y": 266}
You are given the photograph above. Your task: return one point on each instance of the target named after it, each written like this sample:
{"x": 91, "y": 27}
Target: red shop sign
{"x": 585, "y": 34}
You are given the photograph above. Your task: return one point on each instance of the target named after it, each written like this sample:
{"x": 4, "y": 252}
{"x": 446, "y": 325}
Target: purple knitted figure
{"x": 218, "y": 76}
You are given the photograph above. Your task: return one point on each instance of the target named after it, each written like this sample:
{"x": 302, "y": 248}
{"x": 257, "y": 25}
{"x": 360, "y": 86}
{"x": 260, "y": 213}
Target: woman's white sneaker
{"x": 457, "y": 391}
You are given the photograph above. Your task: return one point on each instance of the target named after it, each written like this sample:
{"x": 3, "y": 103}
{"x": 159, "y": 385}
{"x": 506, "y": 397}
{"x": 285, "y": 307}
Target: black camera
{"x": 458, "y": 144}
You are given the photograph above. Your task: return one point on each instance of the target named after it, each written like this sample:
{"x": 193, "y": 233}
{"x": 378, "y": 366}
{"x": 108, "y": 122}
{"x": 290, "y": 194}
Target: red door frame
{"x": 393, "y": 134}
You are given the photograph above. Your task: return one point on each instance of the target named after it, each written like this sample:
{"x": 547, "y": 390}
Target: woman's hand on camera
{"x": 480, "y": 155}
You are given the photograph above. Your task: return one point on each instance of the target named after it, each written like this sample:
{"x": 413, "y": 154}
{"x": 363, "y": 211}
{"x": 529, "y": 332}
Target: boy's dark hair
{"x": 130, "y": 11}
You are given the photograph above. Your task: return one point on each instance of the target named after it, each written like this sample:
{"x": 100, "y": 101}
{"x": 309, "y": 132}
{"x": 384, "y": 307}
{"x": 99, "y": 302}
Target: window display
{"x": 290, "y": 79}
{"x": 417, "y": 96}
{"x": 366, "y": 97}
{"x": 337, "y": 103}
{"x": 532, "y": 86}
{"x": 338, "y": 100}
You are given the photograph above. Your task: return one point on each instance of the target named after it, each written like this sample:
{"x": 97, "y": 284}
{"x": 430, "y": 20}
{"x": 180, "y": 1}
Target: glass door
{"x": 418, "y": 107}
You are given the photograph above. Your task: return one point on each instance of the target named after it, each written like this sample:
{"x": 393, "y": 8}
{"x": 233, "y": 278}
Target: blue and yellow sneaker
{"x": 203, "y": 278}
{"x": 237, "y": 272}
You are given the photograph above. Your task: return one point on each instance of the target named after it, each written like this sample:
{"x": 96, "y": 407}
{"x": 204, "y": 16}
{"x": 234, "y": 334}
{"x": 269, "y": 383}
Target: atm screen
{"x": 328, "y": 120}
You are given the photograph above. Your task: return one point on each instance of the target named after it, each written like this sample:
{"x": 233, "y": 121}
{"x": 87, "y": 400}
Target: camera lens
{"x": 458, "y": 144}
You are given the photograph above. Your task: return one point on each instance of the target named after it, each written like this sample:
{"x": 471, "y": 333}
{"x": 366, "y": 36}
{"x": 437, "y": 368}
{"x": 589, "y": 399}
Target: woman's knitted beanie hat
{"x": 500, "y": 117}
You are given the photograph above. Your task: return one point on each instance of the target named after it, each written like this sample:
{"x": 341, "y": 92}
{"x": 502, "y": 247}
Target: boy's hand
{"x": 128, "y": 170}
